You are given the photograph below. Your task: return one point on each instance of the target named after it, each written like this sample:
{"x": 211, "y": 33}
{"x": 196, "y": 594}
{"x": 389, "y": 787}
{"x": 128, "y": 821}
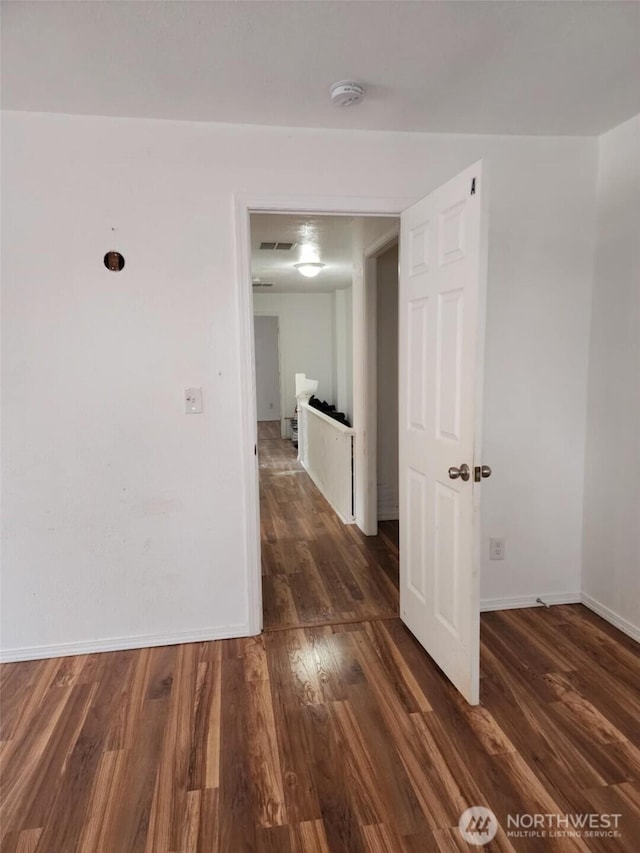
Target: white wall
{"x": 306, "y": 340}
{"x": 267, "y": 360}
{"x": 124, "y": 519}
{"x": 538, "y": 312}
{"x": 611, "y": 551}
{"x": 343, "y": 360}
{"x": 387, "y": 373}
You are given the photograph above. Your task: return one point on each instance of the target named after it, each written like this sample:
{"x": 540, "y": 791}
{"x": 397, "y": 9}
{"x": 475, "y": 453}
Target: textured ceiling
{"x": 470, "y": 67}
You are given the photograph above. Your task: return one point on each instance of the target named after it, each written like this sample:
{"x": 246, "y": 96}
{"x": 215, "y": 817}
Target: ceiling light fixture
{"x": 310, "y": 270}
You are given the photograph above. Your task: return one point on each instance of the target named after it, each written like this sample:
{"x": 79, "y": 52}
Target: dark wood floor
{"x": 316, "y": 570}
{"x": 342, "y": 738}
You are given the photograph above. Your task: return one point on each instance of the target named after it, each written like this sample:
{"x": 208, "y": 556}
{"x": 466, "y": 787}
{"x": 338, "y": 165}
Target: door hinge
{"x": 473, "y": 186}
{"x": 255, "y": 449}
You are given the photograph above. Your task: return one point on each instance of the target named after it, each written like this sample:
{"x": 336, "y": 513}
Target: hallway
{"x": 316, "y": 570}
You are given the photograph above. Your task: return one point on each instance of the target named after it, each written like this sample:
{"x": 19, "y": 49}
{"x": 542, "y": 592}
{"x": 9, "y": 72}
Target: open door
{"x": 443, "y": 250}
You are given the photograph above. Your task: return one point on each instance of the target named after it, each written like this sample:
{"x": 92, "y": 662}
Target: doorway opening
{"x": 443, "y": 260}
{"x": 379, "y": 492}
{"x": 267, "y": 362}
{"x": 318, "y": 567}
{"x": 387, "y": 479}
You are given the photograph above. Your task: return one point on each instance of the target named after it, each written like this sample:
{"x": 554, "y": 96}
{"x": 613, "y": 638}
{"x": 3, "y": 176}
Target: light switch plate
{"x": 193, "y": 401}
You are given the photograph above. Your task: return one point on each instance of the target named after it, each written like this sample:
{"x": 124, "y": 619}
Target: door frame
{"x": 244, "y": 205}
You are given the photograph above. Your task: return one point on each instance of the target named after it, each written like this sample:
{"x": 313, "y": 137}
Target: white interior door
{"x": 267, "y": 355}
{"x": 443, "y": 243}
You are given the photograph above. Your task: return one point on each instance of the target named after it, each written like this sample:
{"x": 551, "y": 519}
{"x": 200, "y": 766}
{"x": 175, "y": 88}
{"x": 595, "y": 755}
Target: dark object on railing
{"x": 330, "y": 410}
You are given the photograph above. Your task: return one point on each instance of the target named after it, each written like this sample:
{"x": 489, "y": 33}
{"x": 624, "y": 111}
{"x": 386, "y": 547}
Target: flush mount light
{"x": 308, "y": 269}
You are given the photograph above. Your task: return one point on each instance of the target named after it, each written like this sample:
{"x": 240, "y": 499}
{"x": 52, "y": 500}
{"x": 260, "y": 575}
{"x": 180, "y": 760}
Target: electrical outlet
{"x": 496, "y": 548}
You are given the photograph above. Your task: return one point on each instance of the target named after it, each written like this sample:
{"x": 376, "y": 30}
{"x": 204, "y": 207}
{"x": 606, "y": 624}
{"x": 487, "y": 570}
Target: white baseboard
{"x": 118, "y": 644}
{"x": 611, "y": 616}
{"x": 488, "y": 604}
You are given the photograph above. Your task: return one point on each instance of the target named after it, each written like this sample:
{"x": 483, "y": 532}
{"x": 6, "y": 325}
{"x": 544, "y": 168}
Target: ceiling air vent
{"x": 262, "y": 284}
{"x": 281, "y": 246}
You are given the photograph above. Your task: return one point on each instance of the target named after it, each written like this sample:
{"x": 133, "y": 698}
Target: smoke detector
{"x": 346, "y": 93}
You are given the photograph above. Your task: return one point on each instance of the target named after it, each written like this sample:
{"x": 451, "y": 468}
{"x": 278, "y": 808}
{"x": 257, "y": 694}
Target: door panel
{"x": 447, "y": 566}
{"x": 416, "y": 534}
{"x": 442, "y": 293}
{"x": 417, "y": 398}
{"x": 449, "y": 365}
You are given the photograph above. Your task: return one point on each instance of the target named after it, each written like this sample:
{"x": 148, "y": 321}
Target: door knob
{"x": 464, "y": 472}
{"x": 481, "y": 472}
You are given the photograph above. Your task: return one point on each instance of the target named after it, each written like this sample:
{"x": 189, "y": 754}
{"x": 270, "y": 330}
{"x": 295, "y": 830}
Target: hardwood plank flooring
{"x": 316, "y": 570}
{"x": 268, "y": 430}
{"x": 333, "y": 732}
{"x": 336, "y": 739}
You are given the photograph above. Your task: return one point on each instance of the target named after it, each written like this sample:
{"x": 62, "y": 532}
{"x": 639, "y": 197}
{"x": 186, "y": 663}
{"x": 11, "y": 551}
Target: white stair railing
{"x": 325, "y": 449}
